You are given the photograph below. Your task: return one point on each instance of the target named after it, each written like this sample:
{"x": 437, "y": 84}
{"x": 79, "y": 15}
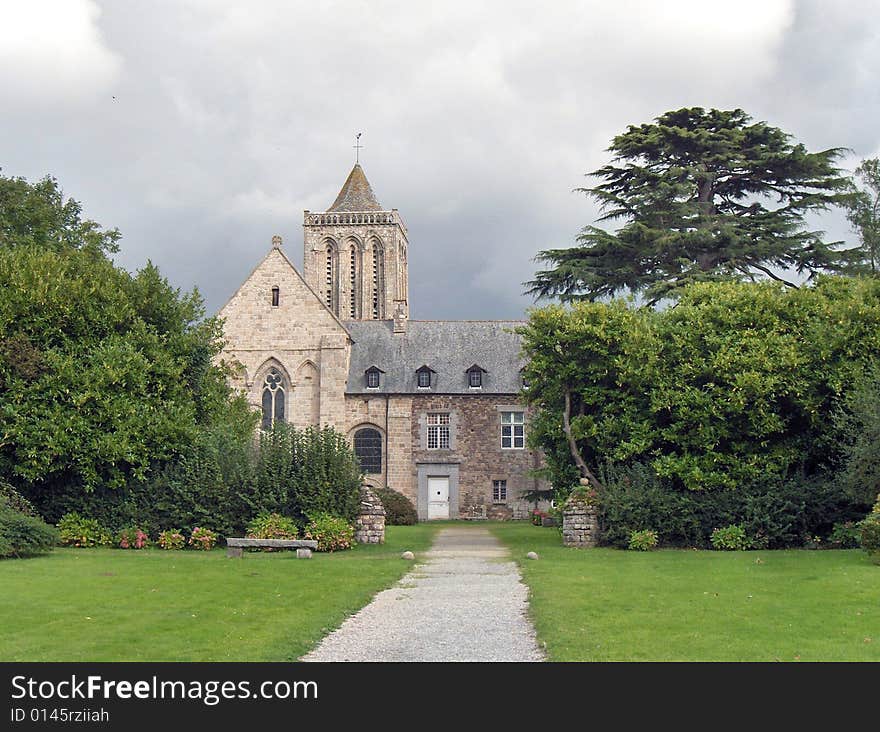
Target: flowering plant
{"x": 172, "y": 539}
{"x": 132, "y": 538}
{"x": 538, "y": 517}
{"x": 202, "y": 538}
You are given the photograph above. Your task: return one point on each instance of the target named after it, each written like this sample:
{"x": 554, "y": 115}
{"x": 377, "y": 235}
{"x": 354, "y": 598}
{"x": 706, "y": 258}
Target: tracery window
{"x": 273, "y": 398}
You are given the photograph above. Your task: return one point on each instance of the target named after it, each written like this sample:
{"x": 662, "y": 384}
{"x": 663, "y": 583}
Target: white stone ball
{"x": 532, "y": 555}
{"x": 407, "y": 555}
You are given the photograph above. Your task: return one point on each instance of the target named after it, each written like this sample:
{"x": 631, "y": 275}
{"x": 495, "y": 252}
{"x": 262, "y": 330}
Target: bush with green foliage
{"x": 11, "y": 498}
{"x": 775, "y": 514}
{"x": 272, "y": 526}
{"x": 202, "y": 538}
{"x": 642, "y": 540}
{"x": 399, "y": 510}
{"x": 79, "y": 531}
{"x": 22, "y": 534}
{"x": 858, "y": 423}
{"x": 845, "y": 535}
{"x": 171, "y": 539}
{"x": 331, "y": 532}
{"x": 869, "y": 530}
{"x": 132, "y": 538}
{"x": 730, "y": 538}
{"x": 299, "y": 472}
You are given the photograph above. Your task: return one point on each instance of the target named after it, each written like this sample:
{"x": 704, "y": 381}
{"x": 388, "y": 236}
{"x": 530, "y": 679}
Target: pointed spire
{"x": 356, "y": 194}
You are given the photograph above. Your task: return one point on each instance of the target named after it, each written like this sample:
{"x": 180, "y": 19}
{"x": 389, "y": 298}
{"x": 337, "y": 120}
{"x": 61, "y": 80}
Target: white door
{"x": 438, "y": 498}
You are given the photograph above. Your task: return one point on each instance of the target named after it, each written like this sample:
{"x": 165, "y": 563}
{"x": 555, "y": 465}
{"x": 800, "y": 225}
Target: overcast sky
{"x": 200, "y": 128}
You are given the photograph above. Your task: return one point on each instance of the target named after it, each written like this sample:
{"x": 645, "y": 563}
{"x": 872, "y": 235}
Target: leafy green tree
{"x": 37, "y": 215}
{"x": 734, "y": 385}
{"x": 702, "y": 195}
{"x": 863, "y": 212}
{"x": 104, "y": 375}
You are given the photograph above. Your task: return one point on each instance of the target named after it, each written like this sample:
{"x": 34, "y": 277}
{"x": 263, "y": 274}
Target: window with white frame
{"x": 513, "y": 430}
{"x": 438, "y": 431}
{"x": 499, "y": 491}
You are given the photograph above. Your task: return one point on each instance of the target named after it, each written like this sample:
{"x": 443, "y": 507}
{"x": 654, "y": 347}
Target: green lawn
{"x": 671, "y": 605}
{"x": 153, "y": 605}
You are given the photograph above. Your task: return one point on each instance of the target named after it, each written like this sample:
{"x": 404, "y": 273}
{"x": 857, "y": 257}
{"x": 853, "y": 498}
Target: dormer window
{"x": 475, "y": 376}
{"x": 372, "y": 376}
{"x": 423, "y": 377}
{"x": 276, "y": 296}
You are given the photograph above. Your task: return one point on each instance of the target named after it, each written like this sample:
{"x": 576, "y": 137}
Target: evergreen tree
{"x": 703, "y": 195}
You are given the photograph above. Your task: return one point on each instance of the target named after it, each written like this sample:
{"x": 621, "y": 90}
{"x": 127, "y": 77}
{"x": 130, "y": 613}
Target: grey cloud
{"x": 229, "y": 119}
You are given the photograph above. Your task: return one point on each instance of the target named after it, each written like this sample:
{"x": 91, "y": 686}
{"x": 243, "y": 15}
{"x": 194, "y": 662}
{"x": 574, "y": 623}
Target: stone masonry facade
{"x": 292, "y": 333}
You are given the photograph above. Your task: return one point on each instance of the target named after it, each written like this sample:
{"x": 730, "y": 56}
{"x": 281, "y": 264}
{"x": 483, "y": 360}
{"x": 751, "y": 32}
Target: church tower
{"x": 354, "y": 254}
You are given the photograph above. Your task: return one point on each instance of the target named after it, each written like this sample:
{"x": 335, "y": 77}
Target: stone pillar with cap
{"x": 369, "y": 526}
{"x": 276, "y": 242}
{"x": 580, "y": 520}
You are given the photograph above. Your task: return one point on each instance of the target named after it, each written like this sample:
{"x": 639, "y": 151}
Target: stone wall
{"x": 299, "y": 336}
{"x": 369, "y": 526}
{"x": 580, "y": 523}
{"x": 475, "y": 446}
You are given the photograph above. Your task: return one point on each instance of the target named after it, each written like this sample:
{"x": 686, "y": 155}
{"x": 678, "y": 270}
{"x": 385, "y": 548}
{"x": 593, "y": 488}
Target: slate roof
{"x": 448, "y": 347}
{"x": 356, "y": 194}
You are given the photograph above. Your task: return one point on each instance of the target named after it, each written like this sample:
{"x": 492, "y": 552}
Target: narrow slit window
{"x": 276, "y": 297}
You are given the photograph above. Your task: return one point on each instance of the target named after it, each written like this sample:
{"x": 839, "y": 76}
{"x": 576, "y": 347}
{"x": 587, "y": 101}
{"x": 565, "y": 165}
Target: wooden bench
{"x": 304, "y": 547}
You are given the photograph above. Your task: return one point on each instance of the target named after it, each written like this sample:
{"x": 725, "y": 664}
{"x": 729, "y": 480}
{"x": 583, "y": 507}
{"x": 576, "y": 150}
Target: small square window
{"x": 499, "y": 491}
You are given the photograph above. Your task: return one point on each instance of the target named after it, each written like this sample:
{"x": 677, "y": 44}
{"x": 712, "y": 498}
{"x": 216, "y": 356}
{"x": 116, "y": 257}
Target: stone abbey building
{"x": 431, "y": 407}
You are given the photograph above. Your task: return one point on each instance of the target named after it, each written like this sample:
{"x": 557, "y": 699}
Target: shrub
{"x": 76, "y": 530}
{"x": 845, "y": 535}
{"x": 302, "y": 472}
{"x": 171, "y": 539}
{"x": 730, "y": 538}
{"x": 643, "y": 540}
{"x": 14, "y": 500}
{"x": 399, "y": 510}
{"x": 331, "y": 532}
{"x": 272, "y": 526}
{"x": 775, "y": 514}
{"x": 870, "y": 533}
{"x": 202, "y": 538}
{"x": 132, "y": 538}
{"x": 537, "y": 517}
{"x": 22, "y": 534}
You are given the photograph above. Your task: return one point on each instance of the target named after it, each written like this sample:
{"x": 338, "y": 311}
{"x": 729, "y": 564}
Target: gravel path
{"x": 466, "y": 603}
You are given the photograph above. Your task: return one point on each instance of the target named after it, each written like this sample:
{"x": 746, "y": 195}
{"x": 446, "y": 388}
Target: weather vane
{"x": 357, "y": 147}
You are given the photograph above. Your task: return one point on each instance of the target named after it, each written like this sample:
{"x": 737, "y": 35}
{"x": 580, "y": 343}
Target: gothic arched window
{"x": 273, "y": 398}
{"x": 368, "y": 448}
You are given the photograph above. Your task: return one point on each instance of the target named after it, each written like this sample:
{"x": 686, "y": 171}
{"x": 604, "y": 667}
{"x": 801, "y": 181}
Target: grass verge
{"x": 153, "y": 605}
{"x": 686, "y": 605}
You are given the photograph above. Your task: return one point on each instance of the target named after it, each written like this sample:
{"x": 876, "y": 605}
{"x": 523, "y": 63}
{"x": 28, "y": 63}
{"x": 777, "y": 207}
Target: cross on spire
{"x": 358, "y": 147}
